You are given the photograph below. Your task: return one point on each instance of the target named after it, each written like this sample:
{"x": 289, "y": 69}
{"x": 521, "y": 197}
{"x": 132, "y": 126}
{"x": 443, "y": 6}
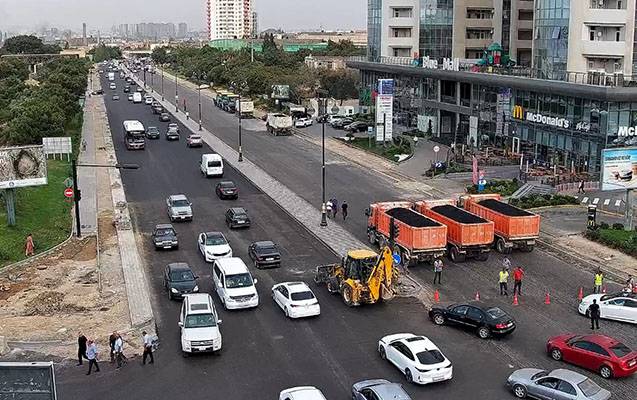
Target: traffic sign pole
{"x": 76, "y": 199}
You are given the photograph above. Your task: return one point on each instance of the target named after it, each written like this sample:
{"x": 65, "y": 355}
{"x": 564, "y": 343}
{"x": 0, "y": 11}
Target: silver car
{"x": 378, "y": 389}
{"x": 179, "y": 208}
{"x": 559, "y": 384}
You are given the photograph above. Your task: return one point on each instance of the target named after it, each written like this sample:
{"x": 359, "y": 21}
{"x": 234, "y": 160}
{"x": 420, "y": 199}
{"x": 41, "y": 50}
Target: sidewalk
{"x": 86, "y": 177}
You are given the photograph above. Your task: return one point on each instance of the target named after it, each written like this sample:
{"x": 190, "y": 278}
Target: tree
{"x": 160, "y": 55}
{"x": 103, "y": 53}
{"x": 27, "y": 44}
{"x": 13, "y": 68}
{"x": 341, "y": 85}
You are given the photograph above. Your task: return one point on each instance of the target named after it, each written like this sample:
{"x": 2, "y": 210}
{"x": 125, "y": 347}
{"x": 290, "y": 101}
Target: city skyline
{"x": 286, "y": 14}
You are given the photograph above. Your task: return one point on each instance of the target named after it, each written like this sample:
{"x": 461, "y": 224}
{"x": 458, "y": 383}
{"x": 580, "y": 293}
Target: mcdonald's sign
{"x": 518, "y": 112}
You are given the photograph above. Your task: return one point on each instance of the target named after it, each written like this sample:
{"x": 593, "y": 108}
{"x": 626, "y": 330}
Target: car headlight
{"x": 195, "y": 289}
{"x": 174, "y": 290}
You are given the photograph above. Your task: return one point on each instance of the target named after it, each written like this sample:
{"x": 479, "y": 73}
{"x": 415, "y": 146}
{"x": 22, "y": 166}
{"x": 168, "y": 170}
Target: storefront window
{"x": 624, "y": 118}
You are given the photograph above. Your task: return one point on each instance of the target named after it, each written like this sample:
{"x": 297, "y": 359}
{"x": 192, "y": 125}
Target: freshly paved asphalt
{"x": 263, "y": 352}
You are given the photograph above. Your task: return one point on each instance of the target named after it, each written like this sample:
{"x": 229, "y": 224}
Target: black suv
{"x": 483, "y": 319}
{"x": 237, "y": 217}
{"x": 165, "y": 237}
{"x": 264, "y": 254}
{"x": 164, "y": 117}
{"x": 179, "y": 280}
{"x": 227, "y": 190}
{"x": 157, "y": 108}
{"x": 152, "y": 132}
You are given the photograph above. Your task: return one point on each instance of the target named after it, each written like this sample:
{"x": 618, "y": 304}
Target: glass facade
{"x": 374, "y": 29}
{"x": 550, "y": 39}
{"x": 436, "y": 28}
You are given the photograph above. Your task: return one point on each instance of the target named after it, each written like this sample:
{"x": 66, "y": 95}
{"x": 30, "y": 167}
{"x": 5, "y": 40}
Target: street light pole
{"x": 176, "y": 96}
{"x": 240, "y": 150}
{"x": 323, "y": 207}
{"x": 162, "y": 84}
{"x": 199, "y": 108}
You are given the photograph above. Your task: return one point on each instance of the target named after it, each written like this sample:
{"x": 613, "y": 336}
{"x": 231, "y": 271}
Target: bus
{"x": 134, "y": 135}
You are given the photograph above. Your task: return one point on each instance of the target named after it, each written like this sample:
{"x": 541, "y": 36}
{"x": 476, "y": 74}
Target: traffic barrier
{"x": 580, "y": 295}
{"x": 477, "y": 296}
{"x": 547, "y": 298}
{"x": 515, "y": 300}
{"x": 437, "y": 296}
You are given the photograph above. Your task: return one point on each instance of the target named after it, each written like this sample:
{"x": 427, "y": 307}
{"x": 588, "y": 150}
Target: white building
{"x": 229, "y": 19}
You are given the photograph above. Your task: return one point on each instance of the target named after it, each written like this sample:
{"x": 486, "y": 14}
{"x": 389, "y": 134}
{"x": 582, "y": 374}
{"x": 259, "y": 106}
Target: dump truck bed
{"x": 511, "y": 223}
{"x": 464, "y": 229}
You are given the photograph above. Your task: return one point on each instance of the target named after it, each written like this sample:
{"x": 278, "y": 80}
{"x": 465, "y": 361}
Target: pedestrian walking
{"x": 328, "y": 208}
{"x": 518, "y": 274}
{"x": 334, "y": 207}
{"x": 599, "y": 281}
{"x": 344, "y": 210}
{"x": 118, "y": 349}
{"x": 504, "y": 281}
{"x": 630, "y": 285}
{"x": 580, "y": 188}
{"x": 506, "y": 263}
{"x": 91, "y": 354}
{"x": 111, "y": 343}
{"x": 148, "y": 348}
{"x": 29, "y": 246}
{"x": 438, "y": 271}
{"x": 81, "y": 348}
{"x": 594, "y": 312}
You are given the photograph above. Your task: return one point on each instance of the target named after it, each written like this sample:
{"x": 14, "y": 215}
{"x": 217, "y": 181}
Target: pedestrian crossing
{"x": 611, "y": 204}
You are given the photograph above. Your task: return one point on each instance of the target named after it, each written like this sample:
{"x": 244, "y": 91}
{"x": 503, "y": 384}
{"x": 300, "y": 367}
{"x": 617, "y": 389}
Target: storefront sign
{"x": 619, "y": 169}
{"x": 448, "y": 64}
{"x": 519, "y": 113}
{"x": 627, "y": 131}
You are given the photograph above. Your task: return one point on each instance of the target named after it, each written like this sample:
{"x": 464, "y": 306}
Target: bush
{"x": 545, "y": 200}
{"x": 505, "y": 187}
{"x": 625, "y": 241}
{"x": 604, "y": 225}
{"x": 618, "y": 227}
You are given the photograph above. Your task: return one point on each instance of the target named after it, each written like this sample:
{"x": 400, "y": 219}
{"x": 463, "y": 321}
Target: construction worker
{"x": 518, "y": 274}
{"x": 438, "y": 270}
{"x": 599, "y": 281}
{"x": 504, "y": 281}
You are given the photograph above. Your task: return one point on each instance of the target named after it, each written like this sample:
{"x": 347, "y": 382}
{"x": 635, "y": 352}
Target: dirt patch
{"x": 106, "y": 226}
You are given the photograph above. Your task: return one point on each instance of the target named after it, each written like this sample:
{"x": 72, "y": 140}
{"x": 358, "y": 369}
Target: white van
{"x": 137, "y": 97}
{"x": 234, "y": 284}
{"x": 199, "y": 325}
{"x": 211, "y": 165}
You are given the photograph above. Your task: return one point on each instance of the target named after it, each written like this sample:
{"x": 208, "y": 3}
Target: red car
{"x": 609, "y": 357}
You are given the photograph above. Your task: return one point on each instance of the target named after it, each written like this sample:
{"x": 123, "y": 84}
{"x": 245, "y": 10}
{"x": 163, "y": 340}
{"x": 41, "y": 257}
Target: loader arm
{"x": 380, "y": 281}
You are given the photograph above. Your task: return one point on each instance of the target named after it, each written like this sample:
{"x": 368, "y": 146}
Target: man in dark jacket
{"x": 111, "y": 344}
{"x": 594, "y": 312}
{"x": 81, "y": 348}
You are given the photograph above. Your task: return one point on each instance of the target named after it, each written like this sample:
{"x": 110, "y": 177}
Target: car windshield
{"x": 227, "y": 185}
{"x": 620, "y": 350}
{"x": 181, "y": 203}
{"x": 214, "y": 164}
{"x": 238, "y": 281}
{"x": 539, "y": 375}
{"x": 240, "y": 214}
{"x": 266, "y": 249}
{"x": 496, "y": 313}
{"x": 200, "y": 321}
{"x": 430, "y": 357}
{"x": 195, "y": 137}
{"x": 182, "y": 276}
{"x": 165, "y": 232}
{"x": 152, "y": 129}
{"x": 215, "y": 240}
{"x": 589, "y": 388}
{"x": 297, "y": 296}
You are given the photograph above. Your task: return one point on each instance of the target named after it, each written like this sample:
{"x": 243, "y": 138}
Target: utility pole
{"x": 77, "y": 195}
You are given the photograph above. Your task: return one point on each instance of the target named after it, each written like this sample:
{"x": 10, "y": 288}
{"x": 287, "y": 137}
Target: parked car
{"x": 341, "y": 123}
{"x": 179, "y": 280}
{"x": 417, "y": 357}
{"x": 559, "y": 384}
{"x": 237, "y": 217}
{"x": 603, "y": 354}
{"x": 172, "y": 134}
{"x": 296, "y": 300}
{"x": 99, "y": 92}
{"x": 194, "y": 140}
{"x": 378, "y": 389}
{"x": 179, "y": 208}
{"x": 115, "y": 97}
{"x": 130, "y": 97}
{"x": 227, "y": 190}
{"x": 302, "y": 122}
{"x": 357, "y": 126}
{"x": 301, "y": 393}
{"x": 148, "y": 99}
{"x": 140, "y": 89}
{"x": 264, "y": 254}
{"x": 213, "y": 245}
{"x": 112, "y": 86}
{"x": 164, "y": 117}
{"x": 620, "y": 306}
{"x": 483, "y": 319}
{"x": 199, "y": 324}
{"x": 152, "y": 132}
{"x": 165, "y": 237}
{"x": 234, "y": 284}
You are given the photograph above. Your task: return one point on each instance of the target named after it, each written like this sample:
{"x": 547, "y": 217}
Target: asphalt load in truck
{"x": 504, "y": 208}
{"x": 411, "y": 218}
{"x": 458, "y": 214}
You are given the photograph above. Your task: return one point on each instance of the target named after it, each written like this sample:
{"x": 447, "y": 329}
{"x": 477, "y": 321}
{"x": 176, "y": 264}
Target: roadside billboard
{"x": 385, "y": 110}
{"x": 22, "y": 166}
{"x": 27, "y": 381}
{"x": 619, "y": 169}
{"x": 281, "y": 92}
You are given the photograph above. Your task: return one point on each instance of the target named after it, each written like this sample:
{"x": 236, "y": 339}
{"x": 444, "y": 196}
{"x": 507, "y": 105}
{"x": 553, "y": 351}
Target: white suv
{"x": 234, "y": 284}
{"x": 199, "y": 325}
{"x": 302, "y": 122}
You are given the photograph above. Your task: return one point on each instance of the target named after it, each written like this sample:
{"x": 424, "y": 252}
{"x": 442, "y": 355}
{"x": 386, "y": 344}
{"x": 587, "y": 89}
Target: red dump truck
{"x": 514, "y": 227}
{"x": 419, "y": 238}
{"x": 468, "y": 235}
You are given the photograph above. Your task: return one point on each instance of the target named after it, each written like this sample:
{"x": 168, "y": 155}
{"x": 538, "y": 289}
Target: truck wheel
{"x": 500, "y": 246}
{"x": 455, "y": 255}
{"x": 527, "y": 248}
{"x": 371, "y": 236}
{"x": 347, "y": 295}
{"x": 482, "y": 257}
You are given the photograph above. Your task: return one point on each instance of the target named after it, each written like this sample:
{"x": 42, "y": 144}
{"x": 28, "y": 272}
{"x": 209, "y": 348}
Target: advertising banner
{"x": 384, "y": 110}
{"x": 281, "y": 92}
{"x": 22, "y": 166}
{"x": 619, "y": 169}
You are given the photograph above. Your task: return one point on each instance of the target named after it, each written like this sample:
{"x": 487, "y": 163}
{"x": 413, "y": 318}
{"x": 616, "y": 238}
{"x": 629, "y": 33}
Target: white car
{"x": 199, "y": 324}
{"x": 296, "y": 299}
{"x": 620, "y": 306}
{"x": 417, "y": 357}
{"x": 301, "y": 393}
{"x": 148, "y": 100}
{"x": 213, "y": 245}
{"x": 303, "y": 122}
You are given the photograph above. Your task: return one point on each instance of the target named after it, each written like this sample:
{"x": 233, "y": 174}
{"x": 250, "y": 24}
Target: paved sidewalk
{"x": 86, "y": 177}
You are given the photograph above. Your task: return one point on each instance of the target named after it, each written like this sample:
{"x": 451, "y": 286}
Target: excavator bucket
{"x": 324, "y": 273}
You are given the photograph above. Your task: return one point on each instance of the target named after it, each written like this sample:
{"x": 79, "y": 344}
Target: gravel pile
{"x": 458, "y": 214}
{"x": 504, "y": 208}
{"x": 411, "y": 218}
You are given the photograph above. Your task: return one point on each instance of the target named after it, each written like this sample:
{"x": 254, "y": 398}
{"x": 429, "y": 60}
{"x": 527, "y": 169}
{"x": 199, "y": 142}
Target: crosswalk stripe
{"x": 596, "y": 200}
{"x": 585, "y": 200}
{"x": 606, "y": 202}
{"x": 618, "y": 203}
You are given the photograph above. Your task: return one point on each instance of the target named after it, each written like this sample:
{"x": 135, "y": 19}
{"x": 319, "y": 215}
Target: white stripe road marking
{"x": 596, "y": 200}
{"x": 585, "y": 200}
{"x": 606, "y": 202}
{"x": 618, "y": 203}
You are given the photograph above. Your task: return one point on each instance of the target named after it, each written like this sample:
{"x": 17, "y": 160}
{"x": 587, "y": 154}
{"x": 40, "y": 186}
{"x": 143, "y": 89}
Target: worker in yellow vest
{"x": 599, "y": 281}
{"x": 504, "y": 280}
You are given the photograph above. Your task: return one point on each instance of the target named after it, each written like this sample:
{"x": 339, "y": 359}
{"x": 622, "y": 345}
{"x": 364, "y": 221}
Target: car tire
{"x": 439, "y": 319}
{"x": 285, "y": 311}
{"x": 556, "y": 354}
{"x": 382, "y": 353}
{"x": 408, "y": 376}
{"x": 483, "y": 332}
{"x": 185, "y": 354}
{"x": 605, "y": 372}
{"x": 170, "y": 295}
{"x": 519, "y": 391}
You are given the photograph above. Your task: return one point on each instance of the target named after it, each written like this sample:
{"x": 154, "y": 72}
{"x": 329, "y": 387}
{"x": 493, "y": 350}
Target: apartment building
{"x": 229, "y": 19}
{"x": 393, "y": 28}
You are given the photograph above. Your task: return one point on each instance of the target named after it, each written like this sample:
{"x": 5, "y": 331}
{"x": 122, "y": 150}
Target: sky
{"x": 103, "y": 14}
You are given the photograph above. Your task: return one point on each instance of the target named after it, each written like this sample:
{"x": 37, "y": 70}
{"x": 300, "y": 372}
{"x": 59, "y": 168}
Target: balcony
{"x": 401, "y": 41}
{"x": 603, "y": 48}
{"x": 401, "y": 22}
{"x": 477, "y": 43}
{"x": 605, "y": 17}
{"x": 479, "y": 23}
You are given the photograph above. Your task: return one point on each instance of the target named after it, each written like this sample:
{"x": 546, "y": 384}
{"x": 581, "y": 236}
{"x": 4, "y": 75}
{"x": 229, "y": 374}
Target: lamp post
{"x": 77, "y": 194}
{"x": 199, "y": 89}
{"x": 240, "y": 88}
{"x": 322, "y": 111}
{"x": 144, "y": 77}
{"x": 162, "y": 83}
{"x": 176, "y": 95}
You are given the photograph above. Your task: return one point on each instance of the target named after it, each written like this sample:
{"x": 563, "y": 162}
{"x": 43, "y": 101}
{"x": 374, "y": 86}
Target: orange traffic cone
{"x": 547, "y": 298}
{"x": 604, "y": 289}
{"x": 515, "y": 300}
{"x": 477, "y": 296}
{"x": 580, "y": 295}
{"x": 437, "y": 296}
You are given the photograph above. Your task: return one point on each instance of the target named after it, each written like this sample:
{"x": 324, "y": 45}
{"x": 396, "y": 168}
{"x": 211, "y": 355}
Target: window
{"x": 525, "y": 15}
{"x": 589, "y": 388}
{"x": 618, "y": 33}
{"x": 298, "y": 296}
{"x": 616, "y": 302}
{"x": 460, "y": 310}
{"x": 430, "y": 357}
{"x": 473, "y": 33}
{"x": 550, "y": 383}
{"x": 402, "y": 12}
{"x": 401, "y": 32}
{"x": 284, "y": 291}
{"x": 620, "y": 350}
{"x": 630, "y": 303}
{"x": 217, "y": 271}
{"x": 525, "y": 34}
{"x": 474, "y": 314}
{"x": 369, "y": 394}
{"x": 595, "y": 348}
{"x": 566, "y": 387}
{"x": 477, "y": 13}
{"x": 582, "y": 345}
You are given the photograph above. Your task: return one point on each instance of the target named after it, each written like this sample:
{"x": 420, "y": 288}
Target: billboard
{"x": 22, "y": 166}
{"x": 619, "y": 169}
{"x": 385, "y": 110}
{"x": 57, "y": 145}
{"x": 281, "y": 92}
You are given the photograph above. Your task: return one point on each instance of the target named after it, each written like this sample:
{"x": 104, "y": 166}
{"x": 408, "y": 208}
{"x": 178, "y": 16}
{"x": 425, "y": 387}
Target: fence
{"x": 574, "y": 186}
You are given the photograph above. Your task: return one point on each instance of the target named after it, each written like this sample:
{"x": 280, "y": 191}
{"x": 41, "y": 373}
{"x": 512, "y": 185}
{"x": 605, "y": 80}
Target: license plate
{"x": 167, "y": 247}
{"x": 269, "y": 259}
{"x": 240, "y": 222}
{"x": 438, "y": 377}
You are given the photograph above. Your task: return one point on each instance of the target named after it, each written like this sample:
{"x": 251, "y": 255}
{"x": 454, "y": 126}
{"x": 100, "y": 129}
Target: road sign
{"x": 396, "y": 258}
{"x": 68, "y": 182}
{"x": 370, "y": 131}
{"x": 436, "y": 149}
{"x": 68, "y": 192}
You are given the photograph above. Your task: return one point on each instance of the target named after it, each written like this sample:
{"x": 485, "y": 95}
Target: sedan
{"x": 152, "y": 132}
{"x": 484, "y": 320}
{"x": 356, "y": 127}
{"x": 603, "y": 354}
{"x": 126, "y": 89}
{"x": 237, "y": 217}
{"x": 179, "y": 280}
{"x": 115, "y": 97}
{"x": 227, "y": 190}
{"x": 302, "y": 122}
{"x": 194, "y": 140}
{"x": 559, "y": 384}
{"x": 173, "y": 126}
{"x": 341, "y": 123}
{"x": 417, "y": 357}
{"x": 164, "y": 117}
{"x": 165, "y": 237}
{"x": 130, "y": 97}
{"x": 172, "y": 134}
{"x": 296, "y": 299}
{"x": 264, "y": 254}
{"x": 617, "y": 306}
{"x": 378, "y": 389}
{"x": 213, "y": 245}
{"x": 301, "y": 393}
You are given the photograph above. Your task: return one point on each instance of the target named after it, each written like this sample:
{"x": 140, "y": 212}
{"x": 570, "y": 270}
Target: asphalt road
{"x": 263, "y": 352}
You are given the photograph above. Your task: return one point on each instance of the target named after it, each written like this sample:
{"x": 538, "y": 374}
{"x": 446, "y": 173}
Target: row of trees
{"x": 27, "y": 44}
{"x": 103, "y": 53}
{"x": 271, "y": 66}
